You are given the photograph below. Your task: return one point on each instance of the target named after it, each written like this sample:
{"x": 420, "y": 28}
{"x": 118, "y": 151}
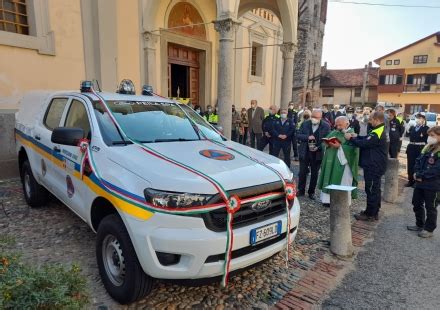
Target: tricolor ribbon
{"x": 232, "y": 204}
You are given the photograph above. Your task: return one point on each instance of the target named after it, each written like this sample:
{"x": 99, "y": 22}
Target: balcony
{"x": 421, "y": 88}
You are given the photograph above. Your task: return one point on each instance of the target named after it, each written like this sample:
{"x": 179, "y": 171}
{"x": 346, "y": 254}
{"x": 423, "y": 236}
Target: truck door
{"x": 74, "y": 188}
{"x": 48, "y": 162}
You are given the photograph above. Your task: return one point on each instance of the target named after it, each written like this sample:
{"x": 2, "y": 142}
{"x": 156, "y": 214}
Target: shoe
{"x": 300, "y": 194}
{"x": 312, "y": 196}
{"x": 409, "y": 184}
{"x": 414, "y": 228}
{"x": 425, "y": 234}
{"x": 362, "y": 216}
{"x": 326, "y": 205}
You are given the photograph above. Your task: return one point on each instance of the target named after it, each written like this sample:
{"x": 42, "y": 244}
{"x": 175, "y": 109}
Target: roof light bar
{"x": 147, "y": 90}
{"x": 126, "y": 87}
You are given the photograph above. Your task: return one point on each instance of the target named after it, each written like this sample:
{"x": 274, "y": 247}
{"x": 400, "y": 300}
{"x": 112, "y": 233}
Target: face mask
{"x": 306, "y": 116}
{"x": 290, "y": 107}
{"x": 419, "y": 122}
{"x": 283, "y": 115}
{"x": 349, "y": 115}
{"x": 253, "y": 106}
{"x": 432, "y": 140}
{"x": 315, "y": 121}
{"x": 209, "y": 110}
{"x": 271, "y": 112}
{"x": 325, "y": 110}
{"x": 198, "y": 111}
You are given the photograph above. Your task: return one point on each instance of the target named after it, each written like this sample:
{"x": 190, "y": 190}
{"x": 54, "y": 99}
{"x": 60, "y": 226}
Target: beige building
{"x": 346, "y": 86}
{"x": 169, "y": 44}
{"x": 212, "y": 51}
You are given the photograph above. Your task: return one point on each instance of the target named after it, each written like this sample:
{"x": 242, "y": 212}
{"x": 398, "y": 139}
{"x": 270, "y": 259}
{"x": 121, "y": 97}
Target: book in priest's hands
{"x": 331, "y": 140}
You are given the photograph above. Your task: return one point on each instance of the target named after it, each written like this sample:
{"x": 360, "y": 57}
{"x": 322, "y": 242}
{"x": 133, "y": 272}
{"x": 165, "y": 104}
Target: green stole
{"x": 332, "y": 170}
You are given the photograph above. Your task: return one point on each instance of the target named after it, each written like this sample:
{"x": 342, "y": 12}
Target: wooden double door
{"x": 183, "y": 72}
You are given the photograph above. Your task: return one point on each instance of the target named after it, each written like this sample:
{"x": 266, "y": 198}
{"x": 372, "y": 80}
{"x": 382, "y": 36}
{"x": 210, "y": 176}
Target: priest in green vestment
{"x": 340, "y": 163}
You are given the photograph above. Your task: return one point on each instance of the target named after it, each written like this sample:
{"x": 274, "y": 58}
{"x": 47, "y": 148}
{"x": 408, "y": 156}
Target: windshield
{"x": 145, "y": 122}
{"x": 202, "y": 124}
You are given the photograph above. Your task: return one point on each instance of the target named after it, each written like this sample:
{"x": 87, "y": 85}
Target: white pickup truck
{"x": 117, "y": 159}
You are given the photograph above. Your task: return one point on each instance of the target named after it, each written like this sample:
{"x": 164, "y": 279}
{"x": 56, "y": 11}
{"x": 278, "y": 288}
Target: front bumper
{"x": 202, "y": 250}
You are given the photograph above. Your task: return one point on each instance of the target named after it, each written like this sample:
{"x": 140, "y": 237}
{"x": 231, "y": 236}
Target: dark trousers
{"x": 295, "y": 146}
{"x": 255, "y": 137}
{"x": 285, "y": 146}
{"x": 243, "y": 137}
{"x": 412, "y": 152}
{"x": 265, "y": 141}
{"x": 373, "y": 190}
{"x": 422, "y": 200}
{"x": 314, "y": 164}
{"x": 234, "y": 135}
{"x": 394, "y": 148}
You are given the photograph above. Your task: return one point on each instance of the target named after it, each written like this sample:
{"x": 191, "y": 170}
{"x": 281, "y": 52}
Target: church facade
{"x": 220, "y": 52}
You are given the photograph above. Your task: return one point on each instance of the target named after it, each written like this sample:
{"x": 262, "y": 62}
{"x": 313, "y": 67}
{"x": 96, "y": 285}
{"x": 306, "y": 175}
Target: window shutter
{"x": 399, "y": 79}
{"x": 410, "y": 79}
{"x": 382, "y": 80}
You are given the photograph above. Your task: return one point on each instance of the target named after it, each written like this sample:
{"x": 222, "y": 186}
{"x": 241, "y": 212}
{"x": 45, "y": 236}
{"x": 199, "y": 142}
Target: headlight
{"x": 175, "y": 200}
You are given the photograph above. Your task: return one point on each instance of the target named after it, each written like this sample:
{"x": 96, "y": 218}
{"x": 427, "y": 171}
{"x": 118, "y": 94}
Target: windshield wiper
{"x": 175, "y": 140}
{"x": 121, "y": 142}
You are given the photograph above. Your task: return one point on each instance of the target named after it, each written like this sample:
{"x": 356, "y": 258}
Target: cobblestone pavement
{"x": 55, "y": 234}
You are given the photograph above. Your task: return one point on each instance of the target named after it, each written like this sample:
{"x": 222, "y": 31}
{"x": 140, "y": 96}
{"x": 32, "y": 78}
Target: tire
{"x": 34, "y": 194}
{"x": 127, "y": 283}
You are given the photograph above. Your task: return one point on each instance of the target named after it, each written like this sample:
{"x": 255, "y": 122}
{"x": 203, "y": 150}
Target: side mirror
{"x": 67, "y": 136}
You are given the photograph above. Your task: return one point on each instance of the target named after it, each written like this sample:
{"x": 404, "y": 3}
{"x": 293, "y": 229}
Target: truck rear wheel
{"x": 119, "y": 267}
{"x": 34, "y": 194}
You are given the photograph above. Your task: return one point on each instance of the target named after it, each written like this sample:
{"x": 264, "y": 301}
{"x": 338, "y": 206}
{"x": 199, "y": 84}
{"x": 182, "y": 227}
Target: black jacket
{"x": 328, "y": 116}
{"x": 374, "y": 151}
{"x": 397, "y": 130}
{"x": 418, "y": 136}
{"x": 293, "y": 114}
{"x": 278, "y": 128}
{"x": 268, "y": 122}
{"x": 427, "y": 168}
{"x": 303, "y": 134}
{"x": 354, "y": 124}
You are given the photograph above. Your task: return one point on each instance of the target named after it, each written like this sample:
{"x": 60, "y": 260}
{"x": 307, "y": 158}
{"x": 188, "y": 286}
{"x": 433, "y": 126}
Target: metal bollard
{"x": 391, "y": 188}
{"x": 340, "y": 221}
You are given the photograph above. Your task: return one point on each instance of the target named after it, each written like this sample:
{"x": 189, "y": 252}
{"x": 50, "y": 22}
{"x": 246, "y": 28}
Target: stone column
{"x": 288, "y": 49}
{"x": 226, "y": 28}
{"x": 340, "y": 224}
{"x": 391, "y": 189}
{"x": 150, "y": 69}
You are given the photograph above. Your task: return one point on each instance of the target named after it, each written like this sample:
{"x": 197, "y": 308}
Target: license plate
{"x": 265, "y": 232}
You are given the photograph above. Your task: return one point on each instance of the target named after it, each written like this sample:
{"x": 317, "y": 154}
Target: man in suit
{"x": 311, "y": 151}
{"x": 327, "y": 115}
{"x": 354, "y": 123}
{"x": 282, "y": 130}
{"x": 256, "y": 117}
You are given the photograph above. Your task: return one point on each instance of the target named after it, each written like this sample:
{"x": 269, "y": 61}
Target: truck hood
{"x": 239, "y": 172}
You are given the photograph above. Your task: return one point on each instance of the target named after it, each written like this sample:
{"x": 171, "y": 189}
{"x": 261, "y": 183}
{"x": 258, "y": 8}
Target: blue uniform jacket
{"x": 278, "y": 128}
{"x": 427, "y": 168}
{"x": 374, "y": 151}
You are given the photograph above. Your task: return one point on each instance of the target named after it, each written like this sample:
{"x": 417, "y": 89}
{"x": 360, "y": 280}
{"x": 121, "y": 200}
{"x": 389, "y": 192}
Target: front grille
{"x": 216, "y": 220}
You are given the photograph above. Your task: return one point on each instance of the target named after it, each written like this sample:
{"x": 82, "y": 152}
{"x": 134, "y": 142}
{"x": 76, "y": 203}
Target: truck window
{"x": 54, "y": 113}
{"x": 77, "y": 117}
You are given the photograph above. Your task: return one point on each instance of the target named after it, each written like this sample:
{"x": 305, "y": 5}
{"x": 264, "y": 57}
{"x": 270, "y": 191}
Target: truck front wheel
{"x": 119, "y": 267}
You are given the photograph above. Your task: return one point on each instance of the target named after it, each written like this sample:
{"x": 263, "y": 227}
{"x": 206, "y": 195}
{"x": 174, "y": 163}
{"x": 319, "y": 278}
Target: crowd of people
{"x": 331, "y": 143}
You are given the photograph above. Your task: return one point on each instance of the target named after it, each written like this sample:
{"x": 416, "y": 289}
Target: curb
{"x": 317, "y": 282}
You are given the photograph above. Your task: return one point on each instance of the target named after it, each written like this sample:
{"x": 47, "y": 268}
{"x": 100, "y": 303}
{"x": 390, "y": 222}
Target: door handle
{"x": 37, "y": 137}
{"x": 56, "y": 149}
